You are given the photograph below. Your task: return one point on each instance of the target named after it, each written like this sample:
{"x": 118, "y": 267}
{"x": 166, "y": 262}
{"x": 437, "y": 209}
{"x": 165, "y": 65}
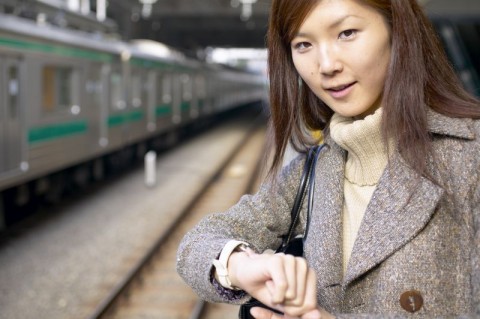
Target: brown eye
{"x": 301, "y": 46}
{"x": 347, "y": 34}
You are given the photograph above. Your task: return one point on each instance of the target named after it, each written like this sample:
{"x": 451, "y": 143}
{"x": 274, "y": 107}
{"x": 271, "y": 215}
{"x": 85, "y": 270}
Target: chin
{"x": 349, "y": 113}
{"x": 357, "y": 114}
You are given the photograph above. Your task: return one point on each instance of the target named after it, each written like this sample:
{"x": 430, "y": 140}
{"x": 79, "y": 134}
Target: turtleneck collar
{"x": 362, "y": 139}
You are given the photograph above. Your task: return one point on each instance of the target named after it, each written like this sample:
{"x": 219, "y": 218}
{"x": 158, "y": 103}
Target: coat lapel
{"x": 397, "y": 212}
{"x": 324, "y": 235}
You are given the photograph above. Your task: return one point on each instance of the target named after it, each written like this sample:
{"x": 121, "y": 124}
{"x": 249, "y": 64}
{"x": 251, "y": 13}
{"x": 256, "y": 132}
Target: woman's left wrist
{"x": 238, "y": 257}
{"x": 221, "y": 264}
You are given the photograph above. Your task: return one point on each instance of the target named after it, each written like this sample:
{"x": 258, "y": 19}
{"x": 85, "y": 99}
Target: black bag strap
{"x": 289, "y": 245}
{"x": 308, "y": 178}
{"x": 311, "y": 189}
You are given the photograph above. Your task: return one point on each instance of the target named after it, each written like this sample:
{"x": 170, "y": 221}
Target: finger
{"x": 290, "y": 269}
{"x": 262, "y": 313}
{"x": 309, "y": 302}
{"x": 277, "y": 273}
{"x": 302, "y": 278}
{"x": 301, "y": 273}
{"x": 270, "y": 287}
{"x": 310, "y": 298}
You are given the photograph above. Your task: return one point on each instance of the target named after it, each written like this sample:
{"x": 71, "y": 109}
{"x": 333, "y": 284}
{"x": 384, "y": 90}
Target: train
{"x": 75, "y": 104}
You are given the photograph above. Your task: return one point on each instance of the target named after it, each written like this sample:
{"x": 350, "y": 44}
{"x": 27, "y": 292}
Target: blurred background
{"x": 123, "y": 122}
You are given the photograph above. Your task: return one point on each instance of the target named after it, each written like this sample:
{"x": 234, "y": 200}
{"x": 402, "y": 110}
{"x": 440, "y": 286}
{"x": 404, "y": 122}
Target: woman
{"x": 395, "y": 225}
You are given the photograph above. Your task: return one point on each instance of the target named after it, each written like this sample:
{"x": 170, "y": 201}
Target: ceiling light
{"x": 247, "y": 9}
{"x": 147, "y": 7}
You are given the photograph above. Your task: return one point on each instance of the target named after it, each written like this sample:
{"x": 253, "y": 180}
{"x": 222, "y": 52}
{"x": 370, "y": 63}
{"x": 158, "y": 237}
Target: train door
{"x": 117, "y": 106}
{"x": 11, "y": 141}
{"x": 105, "y": 106}
{"x": 164, "y": 101}
{"x": 97, "y": 100}
{"x": 151, "y": 96}
{"x": 199, "y": 94}
{"x": 186, "y": 87}
{"x": 136, "y": 117}
{"x": 176, "y": 98}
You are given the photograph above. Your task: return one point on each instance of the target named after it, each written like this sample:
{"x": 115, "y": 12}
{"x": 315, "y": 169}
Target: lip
{"x": 340, "y": 91}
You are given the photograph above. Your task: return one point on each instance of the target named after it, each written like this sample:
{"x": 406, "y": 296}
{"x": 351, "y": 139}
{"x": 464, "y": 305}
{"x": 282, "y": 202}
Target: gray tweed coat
{"x": 417, "y": 253}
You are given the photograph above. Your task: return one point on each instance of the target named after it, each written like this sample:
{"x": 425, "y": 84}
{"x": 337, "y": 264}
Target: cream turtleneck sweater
{"x": 366, "y": 161}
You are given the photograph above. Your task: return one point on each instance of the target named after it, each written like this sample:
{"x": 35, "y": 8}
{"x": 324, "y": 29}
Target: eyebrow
{"x": 334, "y": 24}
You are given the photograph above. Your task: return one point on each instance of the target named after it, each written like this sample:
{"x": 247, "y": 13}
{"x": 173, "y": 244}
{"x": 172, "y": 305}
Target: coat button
{"x": 411, "y": 301}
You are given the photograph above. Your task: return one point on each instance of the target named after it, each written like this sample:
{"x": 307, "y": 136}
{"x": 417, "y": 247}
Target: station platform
{"x": 61, "y": 265}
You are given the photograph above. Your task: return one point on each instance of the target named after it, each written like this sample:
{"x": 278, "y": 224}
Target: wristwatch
{"x": 222, "y": 262}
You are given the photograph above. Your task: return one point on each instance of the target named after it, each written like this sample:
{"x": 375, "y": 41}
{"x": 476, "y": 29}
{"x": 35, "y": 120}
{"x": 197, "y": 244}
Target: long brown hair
{"x": 419, "y": 77}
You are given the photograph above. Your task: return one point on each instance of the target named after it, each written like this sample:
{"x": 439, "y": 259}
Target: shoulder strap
{"x": 308, "y": 178}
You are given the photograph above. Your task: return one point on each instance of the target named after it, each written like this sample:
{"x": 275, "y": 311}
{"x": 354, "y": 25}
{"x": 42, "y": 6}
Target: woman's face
{"x": 342, "y": 52}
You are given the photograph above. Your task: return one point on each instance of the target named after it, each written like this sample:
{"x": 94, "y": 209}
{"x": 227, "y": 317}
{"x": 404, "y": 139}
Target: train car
{"x": 74, "y": 104}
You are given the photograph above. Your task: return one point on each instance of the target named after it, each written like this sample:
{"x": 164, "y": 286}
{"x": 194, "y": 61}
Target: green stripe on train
{"x": 149, "y": 63}
{"x": 163, "y": 110}
{"x": 120, "y": 119}
{"x": 56, "y": 49}
{"x": 54, "y": 131}
{"x": 61, "y": 130}
{"x": 164, "y": 65}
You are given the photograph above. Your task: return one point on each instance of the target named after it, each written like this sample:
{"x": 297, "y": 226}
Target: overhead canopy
{"x": 194, "y": 24}
{"x": 455, "y": 10}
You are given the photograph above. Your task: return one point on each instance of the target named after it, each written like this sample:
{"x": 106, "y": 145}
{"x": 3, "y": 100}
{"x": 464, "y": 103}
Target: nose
{"x": 328, "y": 61}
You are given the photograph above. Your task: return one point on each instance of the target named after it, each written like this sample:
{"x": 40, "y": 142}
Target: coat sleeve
{"x": 258, "y": 219}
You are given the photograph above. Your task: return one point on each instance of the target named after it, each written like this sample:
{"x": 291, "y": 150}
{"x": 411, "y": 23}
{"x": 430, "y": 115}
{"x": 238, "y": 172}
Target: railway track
{"x": 152, "y": 288}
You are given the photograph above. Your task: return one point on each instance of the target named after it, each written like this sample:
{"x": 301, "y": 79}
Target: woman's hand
{"x": 262, "y": 313}
{"x": 283, "y": 282}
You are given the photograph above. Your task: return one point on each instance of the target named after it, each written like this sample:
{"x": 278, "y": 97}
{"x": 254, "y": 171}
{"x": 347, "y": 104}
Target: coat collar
{"x": 450, "y": 126}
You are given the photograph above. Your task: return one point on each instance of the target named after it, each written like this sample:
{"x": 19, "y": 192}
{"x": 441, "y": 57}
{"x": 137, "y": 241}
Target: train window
{"x": 116, "y": 91}
{"x": 13, "y": 91}
{"x": 59, "y": 87}
{"x": 94, "y": 87}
